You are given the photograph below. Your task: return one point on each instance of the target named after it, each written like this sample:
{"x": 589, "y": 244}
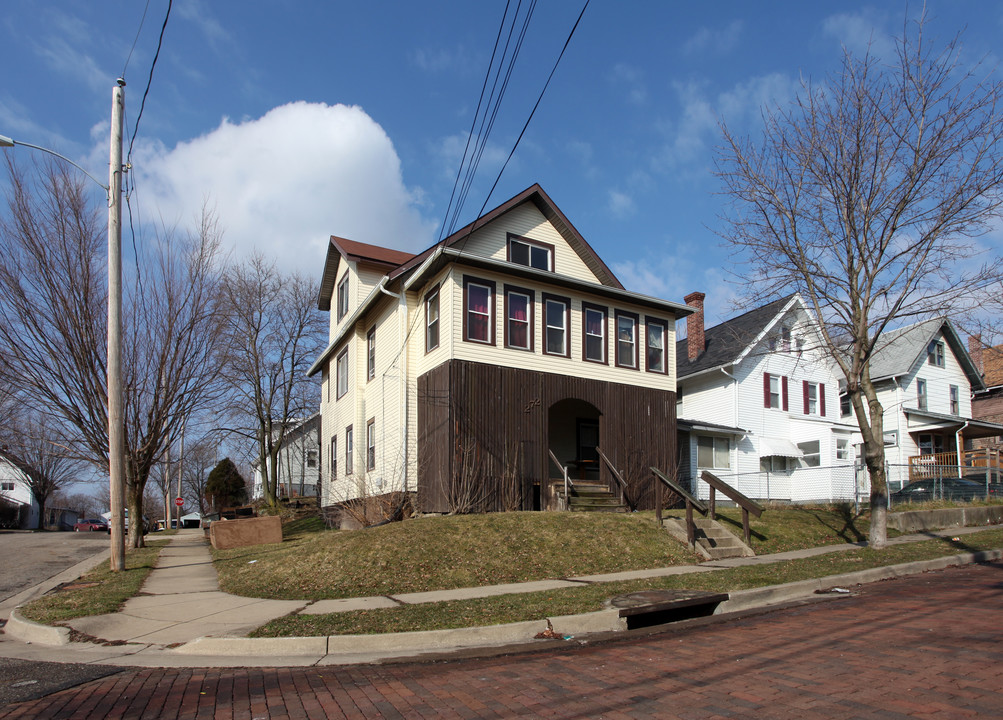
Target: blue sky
{"x": 298, "y": 120}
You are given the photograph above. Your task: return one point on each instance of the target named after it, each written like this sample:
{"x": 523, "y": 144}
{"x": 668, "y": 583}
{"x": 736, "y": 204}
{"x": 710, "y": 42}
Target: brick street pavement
{"x": 927, "y": 646}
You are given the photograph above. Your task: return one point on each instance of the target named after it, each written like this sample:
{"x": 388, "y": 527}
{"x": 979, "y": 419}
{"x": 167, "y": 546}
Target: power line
{"x": 136, "y": 39}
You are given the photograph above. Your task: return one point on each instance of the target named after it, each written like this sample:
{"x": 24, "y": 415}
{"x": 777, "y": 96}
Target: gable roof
{"x": 357, "y": 252}
{"x": 899, "y": 350}
{"x": 727, "y": 342}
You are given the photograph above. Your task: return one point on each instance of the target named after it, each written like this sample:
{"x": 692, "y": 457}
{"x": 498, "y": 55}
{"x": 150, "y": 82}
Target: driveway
{"x": 32, "y": 557}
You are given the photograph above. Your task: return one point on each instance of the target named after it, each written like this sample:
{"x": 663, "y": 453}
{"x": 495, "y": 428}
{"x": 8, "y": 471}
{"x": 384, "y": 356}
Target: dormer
{"x": 530, "y": 253}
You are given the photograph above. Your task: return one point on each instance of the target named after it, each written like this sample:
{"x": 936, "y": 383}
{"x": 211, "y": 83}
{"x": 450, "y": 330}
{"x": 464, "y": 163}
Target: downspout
{"x": 734, "y": 419}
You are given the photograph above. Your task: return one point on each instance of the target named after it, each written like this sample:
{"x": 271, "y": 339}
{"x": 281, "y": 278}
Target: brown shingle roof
{"x": 364, "y": 252}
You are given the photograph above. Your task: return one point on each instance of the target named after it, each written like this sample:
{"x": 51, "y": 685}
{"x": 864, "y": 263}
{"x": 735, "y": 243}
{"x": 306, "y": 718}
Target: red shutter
{"x": 766, "y": 390}
{"x": 784, "y": 382}
{"x": 805, "y": 384}
{"x": 821, "y": 398}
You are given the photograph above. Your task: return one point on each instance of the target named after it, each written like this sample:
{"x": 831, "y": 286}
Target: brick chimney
{"x": 695, "y": 342}
{"x": 975, "y": 352}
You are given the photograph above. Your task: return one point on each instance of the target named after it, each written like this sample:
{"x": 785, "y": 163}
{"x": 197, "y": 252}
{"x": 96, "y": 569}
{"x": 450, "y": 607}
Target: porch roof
{"x": 933, "y": 421}
{"x": 700, "y": 426}
{"x": 778, "y": 447}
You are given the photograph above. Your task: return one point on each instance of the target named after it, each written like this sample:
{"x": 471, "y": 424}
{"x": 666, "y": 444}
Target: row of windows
{"x": 775, "y": 394}
{"x": 519, "y": 324}
{"x": 715, "y": 453}
{"x": 350, "y": 449}
{"x": 922, "y": 399}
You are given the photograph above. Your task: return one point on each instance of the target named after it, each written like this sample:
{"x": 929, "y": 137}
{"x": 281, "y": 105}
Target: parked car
{"x": 92, "y": 525}
{"x": 949, "y": 488}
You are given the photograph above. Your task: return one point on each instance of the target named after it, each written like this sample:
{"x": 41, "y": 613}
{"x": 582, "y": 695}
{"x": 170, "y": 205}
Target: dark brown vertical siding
{"x": 492, "y": 411}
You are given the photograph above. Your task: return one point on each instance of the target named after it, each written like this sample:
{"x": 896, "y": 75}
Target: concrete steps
{"x": 589, "y": 497}
{"x": 713, "y": 540}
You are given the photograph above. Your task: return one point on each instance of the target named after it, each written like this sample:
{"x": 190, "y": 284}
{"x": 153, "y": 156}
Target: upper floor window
{"x": 518, "y": 318}
{"x": 371, "y": 354}
{"x": 343, "y": 297}
{"x": 845, "y": 408}
{"x": 531, "y": 253}
{"x": 556, "y": 314}
{"x": 812, "y": 453}
{"x": 955, "y": 400}
{"x": 594, "y": 320}
{"x": 432, "y": 320}
{"x": 842, "y": 448}
{"x": 921, "y": 393}
{"x": 785, "y": 339}
{"x": 774, "y": 391}
{"x": 814, "y": 398}
{"x": 656, "y": 331}
{"x": 626, "y": 340}
{"x": 311, "y": 458}
{"x": 935, "y": 353}
{"x": 7, "y": 486}
{"x": 342, "y": 373}
{"x": 478, "y": 318}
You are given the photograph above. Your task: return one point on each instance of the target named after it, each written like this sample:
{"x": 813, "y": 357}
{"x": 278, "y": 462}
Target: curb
{"x": 602, "y": 621}
{"x": 28, "y": 631}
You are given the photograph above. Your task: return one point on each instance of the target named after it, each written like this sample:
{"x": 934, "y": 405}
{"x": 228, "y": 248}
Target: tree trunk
{"x": 134, "y": 502}
{"x": 878, "y": 534}
{"x": 41, "y": 513}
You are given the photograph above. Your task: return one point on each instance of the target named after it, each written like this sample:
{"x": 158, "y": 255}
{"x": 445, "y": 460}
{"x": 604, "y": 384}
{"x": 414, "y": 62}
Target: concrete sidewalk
{"x": 181, "y": 618}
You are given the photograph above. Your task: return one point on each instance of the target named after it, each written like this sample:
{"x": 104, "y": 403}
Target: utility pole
{"x": 116, "y": 444}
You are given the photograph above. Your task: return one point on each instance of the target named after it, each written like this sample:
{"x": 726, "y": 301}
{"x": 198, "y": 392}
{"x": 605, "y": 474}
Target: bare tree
{"x": 275, "y": 334}
{"x": 35, "y": 445}
{"x": 865, "y": 195}
{"x": 200, "y": 458}
{"x": 53, "y": 324}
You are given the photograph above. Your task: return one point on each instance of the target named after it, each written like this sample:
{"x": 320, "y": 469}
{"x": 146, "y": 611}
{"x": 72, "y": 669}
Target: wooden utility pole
{"x": 116, "y": 444}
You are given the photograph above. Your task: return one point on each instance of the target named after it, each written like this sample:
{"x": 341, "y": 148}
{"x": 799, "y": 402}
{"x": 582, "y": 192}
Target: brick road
{"x": 928, "y": 646}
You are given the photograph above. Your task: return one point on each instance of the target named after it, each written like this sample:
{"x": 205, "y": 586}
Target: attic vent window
{"x": 935, "y": 353}
{"x": 531, "y": 253}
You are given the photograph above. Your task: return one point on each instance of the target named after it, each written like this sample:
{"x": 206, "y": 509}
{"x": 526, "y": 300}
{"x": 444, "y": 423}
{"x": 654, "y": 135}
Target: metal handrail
{"x": 567, "y": 480}
{"x": 618, "y": 478}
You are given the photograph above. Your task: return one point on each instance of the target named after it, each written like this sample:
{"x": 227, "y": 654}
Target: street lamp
{"x": 116, "y": 445}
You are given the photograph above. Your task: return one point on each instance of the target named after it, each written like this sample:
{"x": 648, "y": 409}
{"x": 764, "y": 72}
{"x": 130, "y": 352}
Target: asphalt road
{"x": 29, "y": 558}
{"x": 924, "y": 646}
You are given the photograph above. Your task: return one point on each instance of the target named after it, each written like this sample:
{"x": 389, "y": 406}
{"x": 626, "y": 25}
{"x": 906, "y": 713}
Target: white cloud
{"x": 673, "y": 275}
{"x": 631, "y": 81}
{"x": 717, "y": 40}
{"x": 438, "y": 60}
{"x": 860, "y": 33}
{"x": 621, "y": 204}
{"x": 283, "y": 183}
{"x": 199, "y": 14}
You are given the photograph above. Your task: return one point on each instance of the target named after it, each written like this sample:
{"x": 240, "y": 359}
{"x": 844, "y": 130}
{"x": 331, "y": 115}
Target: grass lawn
{"x": 439, "y": 553}
{"x": 97, "y": 592}
{"x": 541, "y": 605}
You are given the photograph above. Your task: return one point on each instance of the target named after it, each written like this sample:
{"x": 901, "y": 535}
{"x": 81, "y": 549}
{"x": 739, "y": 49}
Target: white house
{"x": 925, "y": 379}
{"x": 453, "y": 375}
{"x": 18, "y": 507}
{"x": 759, "y": 406}
{"x": 298, "y": 461}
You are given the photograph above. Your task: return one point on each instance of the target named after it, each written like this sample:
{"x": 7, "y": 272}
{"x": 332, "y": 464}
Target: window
{"x": 713, "y": 452}
{"x": 556, "y": 312}
{"x": 655, "y": 341}
{"x": 311, "y": 458}
{"x": 518, "y": 318}
{"x": 342, "y": 373}
{"x": 785, "y": 339}
{"x": 814, "y": 398}
{"x": 842, "y": 449}
{"x": 432, "y": 319}
{"x": 478, "y": 320}
{"x": 588, "y": 441}
{"x": 594, "y": 335}
{"x": 773, "y": 464}
{"x": 930, "y": 444}
{"x": 371, "y": 354}
{"x": 343, "y": 297}
{"x": 371, "y": 445}
{"x": 774, "y": 391}
{"x": 845, "y": 408}
{"x": 812, "y": 453}
{"x": 334, "y": 457}
{"x": 921, "y": 393}
{"x": 7, "y": 486}
{"x": 955, "y": 401}
{"x": 531, "y": 253}
{"x": 348, "y": 450}
{"x": 935, "y": 353}
{"x": 626, "y": 340}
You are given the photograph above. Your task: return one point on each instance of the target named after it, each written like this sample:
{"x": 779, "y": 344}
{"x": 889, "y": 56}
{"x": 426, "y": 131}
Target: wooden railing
{"x": 691, "y": 502}
{"x": 748, "y": 506}
{"x": 946, "y": 463}
{"x": 619, "y": 479}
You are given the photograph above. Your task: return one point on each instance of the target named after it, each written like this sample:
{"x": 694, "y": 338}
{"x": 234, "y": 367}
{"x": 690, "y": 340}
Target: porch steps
{"x": 587, "y": 497}
{"x": 713, "y": 540}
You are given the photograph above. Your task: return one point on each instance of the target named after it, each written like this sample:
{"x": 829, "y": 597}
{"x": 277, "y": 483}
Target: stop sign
{"x": 179, "y": 501}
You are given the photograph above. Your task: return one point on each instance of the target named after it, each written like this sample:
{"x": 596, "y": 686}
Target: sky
{"x": 297, "y": 120}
